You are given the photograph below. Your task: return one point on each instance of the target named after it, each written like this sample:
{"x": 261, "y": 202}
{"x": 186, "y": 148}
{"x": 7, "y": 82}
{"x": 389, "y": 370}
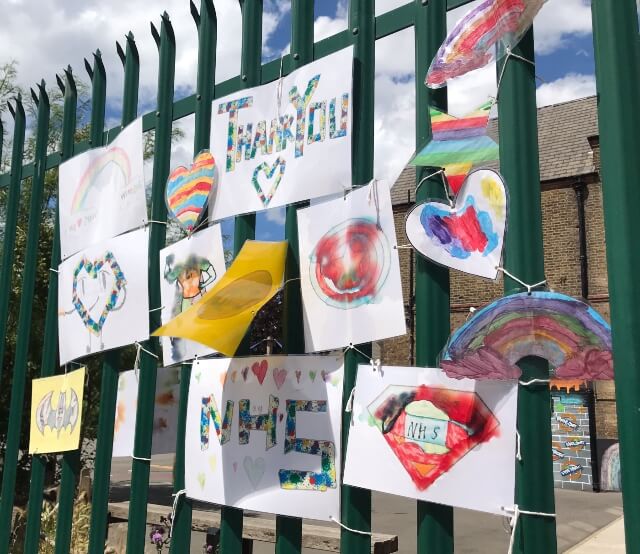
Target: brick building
{"x": 575, "y": 264}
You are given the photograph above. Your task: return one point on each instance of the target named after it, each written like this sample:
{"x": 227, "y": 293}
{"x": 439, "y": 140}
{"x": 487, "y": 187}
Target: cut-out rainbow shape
{"x": 567, "y": 332}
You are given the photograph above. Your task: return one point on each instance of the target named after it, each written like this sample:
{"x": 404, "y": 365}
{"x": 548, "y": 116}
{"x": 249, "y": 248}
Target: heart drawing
{"x": 279, "y": 165}
{"x": 468, "y": 236}
{"x": 260, "y": 370}
{"x": 99, "y": 287}
{"x": 279, "y": 376}
{"x": 189, "y": 189}
{"x": 254, "y": 469}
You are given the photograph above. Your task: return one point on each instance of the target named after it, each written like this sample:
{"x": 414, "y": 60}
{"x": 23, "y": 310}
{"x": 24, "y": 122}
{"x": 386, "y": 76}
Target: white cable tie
{"x": 533, "y": 382}
{"x": 525, "y": 285}
{"x": 54, "y": 270}
{"x": 369, "y": 534}
{"x": 289, "y": 281}
{"x": 175, "y": 507}
{"x": 140, "y": 459}
{"x": 156, "y": 309}
{"x": 401, "y": 246}
{"x": 513, "y": 521}
{"x": 136, "y": 363}
{"x": 518, "y": 453}
{"x": 349, "y": 406}
{"x": 155, "y": 221}
{"x": 352, "y": 347}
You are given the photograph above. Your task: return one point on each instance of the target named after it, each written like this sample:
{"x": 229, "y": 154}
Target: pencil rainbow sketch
{"x": 99, "y": 287}
{"x": 350, "y": 264}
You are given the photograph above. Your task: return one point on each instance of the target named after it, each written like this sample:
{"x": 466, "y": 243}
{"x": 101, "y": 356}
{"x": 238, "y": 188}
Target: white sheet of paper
{"x": 101, "y": 192}
{"x": 349, "y": 270}
{"x": 103, "y": 299}
{"x": 165, "y": 415}
{"x": 267, "y": 154}
{"x": 262, "y": 473}
{"x": 188, "y": 269}
{"x": 482, "y": 478}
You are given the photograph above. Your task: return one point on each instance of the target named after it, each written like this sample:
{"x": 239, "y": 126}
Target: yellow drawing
{"x": 56, "y": 413}
{"x": 222, "y": 316}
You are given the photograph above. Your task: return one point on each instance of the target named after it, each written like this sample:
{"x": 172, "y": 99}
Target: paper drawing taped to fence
{"x": 56, "y": 412}
{"x": 165, "y": 412}
{"x": 102, "y": 296}
{"x": 101, "y": 192}
{"x": 431, "y": 437}
{"x": 264, "y": 436}
{"x": 221, "y": 317}
{"x": 457, "y": 144}
{"x": 188, "y": 190}
{"x": 487, "y": 32}
{"x": 468, "y": 236}
{"x": 568, "y": 333}
{"x": 188, "y": 269}
{"x": 270, "y": 138}
{"x": 349, "y": 268}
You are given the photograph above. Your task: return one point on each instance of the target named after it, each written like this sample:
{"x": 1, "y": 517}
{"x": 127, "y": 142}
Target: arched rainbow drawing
{"x": 567, "y": 332}
{"x": 114, "y": 155}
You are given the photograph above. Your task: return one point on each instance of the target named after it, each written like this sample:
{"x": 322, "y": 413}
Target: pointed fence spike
{"x": 121, "y": 53}
{"x": 89, "y": 69}
{"x": 194, "y": 13}
{"x": 60, "y": 83}
{"x": 155, "y": 34}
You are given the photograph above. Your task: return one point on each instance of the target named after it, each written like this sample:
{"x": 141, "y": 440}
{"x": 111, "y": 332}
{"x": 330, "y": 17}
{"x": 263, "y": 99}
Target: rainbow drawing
{"x": 457, "y": 144}
{"x": 566, "y": 332}
{"x": 90, "y": 178}
{"x": 484, "y": 34}
{"x": 188, "y": 189}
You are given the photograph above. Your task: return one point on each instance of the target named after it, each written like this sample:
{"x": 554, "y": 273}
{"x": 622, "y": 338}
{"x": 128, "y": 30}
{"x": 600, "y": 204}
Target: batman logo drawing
{"x": 62, "y": 416}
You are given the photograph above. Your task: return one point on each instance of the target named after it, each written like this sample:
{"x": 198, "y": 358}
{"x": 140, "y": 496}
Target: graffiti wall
{"x": 571, "y": 448}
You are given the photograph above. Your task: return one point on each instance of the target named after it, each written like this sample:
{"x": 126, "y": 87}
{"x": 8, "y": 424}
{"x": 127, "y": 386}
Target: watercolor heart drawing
{"x": 189, "y": 189}
{"x": 260, "y": 370}
{"x": 98, "y": 288}
{"x": 269, "y": 172}
{"x": 468, "y": 236}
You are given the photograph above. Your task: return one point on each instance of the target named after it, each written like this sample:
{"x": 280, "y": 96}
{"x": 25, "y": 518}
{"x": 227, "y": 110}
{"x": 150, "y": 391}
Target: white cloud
{"x": 276, "y": 215}
{"x": 569, "y": 87}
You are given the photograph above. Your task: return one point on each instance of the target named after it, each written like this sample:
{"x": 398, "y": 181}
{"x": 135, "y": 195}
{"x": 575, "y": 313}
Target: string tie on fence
{"x": 349, "y": 406}
{"x": 54, "y": 270}
{"x": 176, "y": 496}
{"x": 513, "y": 521}
{"x": 368, "y": 533}
{"x": 519, "y": 281}
{"x": 533, "y": 382}
{"x": 444, "y": 184}
{"x": 373, "y": 192}
{"x": 518, "y": 453}
{"x": 289, "y": 281}
{"x": 155, "y": 221}
{"x": 141, "y": 459}
{"x": 156, "y": 309}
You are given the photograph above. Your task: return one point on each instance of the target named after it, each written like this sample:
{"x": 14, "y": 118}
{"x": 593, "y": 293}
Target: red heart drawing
{"x": 429, "y": 446}
{"x": 279, "y": 376}
{"x": 260, "y": 370}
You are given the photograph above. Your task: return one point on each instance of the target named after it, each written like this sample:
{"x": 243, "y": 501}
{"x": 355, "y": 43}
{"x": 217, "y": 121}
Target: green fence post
{"x": 524, "y": 258}
{"x": 435, "y": 521}
{"x": 207, "y": 24}
{"x": 289, "y": 529}
{"x": 136, "y": 531}
{"x": 244, "y": 226}
{"x": 615, "y": 35}
{"x": 19, "y": 375}
{"x": 11, "y": 221}
{"x": 49, "y": 356}
{"x": 355, "y": 503}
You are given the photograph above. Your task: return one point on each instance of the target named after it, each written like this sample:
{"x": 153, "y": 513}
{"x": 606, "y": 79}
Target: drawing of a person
{"x": 192, "y": 277}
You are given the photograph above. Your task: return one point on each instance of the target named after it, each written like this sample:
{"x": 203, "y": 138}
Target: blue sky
{"x": 47, "y": 35}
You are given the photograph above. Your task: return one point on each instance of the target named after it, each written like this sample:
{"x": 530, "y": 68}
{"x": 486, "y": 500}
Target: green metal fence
{"x": 618, "y": 61}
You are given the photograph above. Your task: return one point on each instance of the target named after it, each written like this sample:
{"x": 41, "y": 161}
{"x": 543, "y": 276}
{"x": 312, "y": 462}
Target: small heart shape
{"x": 312, "y": 376}
{"x": 202, "y": 478}
{"x": 188, "y": 189}
{"x": 279, "y": 376}
{"x": 260, "y": 370}
{"x": 325, "y": 375}
{"x": 468, "y": 236}
{"x": 245, "y": 372}
{"x": 254, "y": 469}
{"x": 213, "y": 463}
{"x": 234, "y": 374}
{"x": 269, "y": 172}
{"x": 298, "y": 375}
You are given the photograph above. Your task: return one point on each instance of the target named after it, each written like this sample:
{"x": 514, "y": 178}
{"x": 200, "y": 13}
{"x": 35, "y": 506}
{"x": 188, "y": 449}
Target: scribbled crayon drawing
{"x": 468, "y": 235}
{"x": 485, "y": 33}
{"x": 99, "y": 287}
{"x": 430, "y": 429}
{"x": 565, "y": 331}
{"x": 350, "y": 264}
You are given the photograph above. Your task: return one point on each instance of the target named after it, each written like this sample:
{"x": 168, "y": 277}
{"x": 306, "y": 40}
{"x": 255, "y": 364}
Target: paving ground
{"x": 580, "y": 515}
